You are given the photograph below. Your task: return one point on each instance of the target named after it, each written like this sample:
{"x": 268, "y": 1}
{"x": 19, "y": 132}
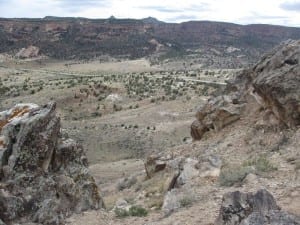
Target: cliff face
{"x": 68, "y": 38}
{"x": 43, "y": 176}
{"x": 273, "y": 84}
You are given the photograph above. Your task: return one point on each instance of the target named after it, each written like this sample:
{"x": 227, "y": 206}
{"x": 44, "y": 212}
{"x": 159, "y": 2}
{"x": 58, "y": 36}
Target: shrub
{"x": 137, "y": 211}
{"x": 121, "y": 213}
{"x": 186, "y": 201}
{"x": 230, "y": 176}
{"x": 96, "y": 114}
{"x": 117, "y": 107}
{"x": 261, "y": 164}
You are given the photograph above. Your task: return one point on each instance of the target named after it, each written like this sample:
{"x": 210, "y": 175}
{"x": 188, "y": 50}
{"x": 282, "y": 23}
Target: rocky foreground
{"x": 43, "y": 174}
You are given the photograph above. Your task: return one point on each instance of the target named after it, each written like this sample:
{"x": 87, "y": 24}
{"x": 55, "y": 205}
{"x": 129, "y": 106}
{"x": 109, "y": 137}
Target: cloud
{"x": 169, "y": 9}
{"x": 161, "y": 9}
{"x": 200, "y": 7}
{"x": 258, "y": 18}
{"x": 80, "y": 5}
{"x": 281, "y": 12}
{"x": 291, "y": 6}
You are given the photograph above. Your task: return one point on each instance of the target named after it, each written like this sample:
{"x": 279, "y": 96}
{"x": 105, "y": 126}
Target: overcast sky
{"x": 281, "y": 12}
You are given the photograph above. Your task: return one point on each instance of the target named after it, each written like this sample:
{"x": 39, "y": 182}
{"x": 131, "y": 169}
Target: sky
{"x": 278, "y": 12}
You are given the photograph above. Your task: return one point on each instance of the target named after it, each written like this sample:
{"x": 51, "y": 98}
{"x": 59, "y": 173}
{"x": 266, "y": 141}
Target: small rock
{"x": 171, "y": 202}
{"x": 252, "y": 209}
{"x": 153, "y": 165}
{"x": 188, "y": 172}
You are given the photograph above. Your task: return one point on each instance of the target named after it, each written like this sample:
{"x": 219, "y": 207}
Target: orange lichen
{"x": 2, "y": 144}
{"x": 18, "y": 112}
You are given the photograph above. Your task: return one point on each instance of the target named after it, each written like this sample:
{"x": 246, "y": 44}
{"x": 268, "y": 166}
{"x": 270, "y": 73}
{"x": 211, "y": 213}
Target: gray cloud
{"x": 291, "y": 6}
{"x": 198, "y": 7}
{"x": 161, "y": 9}
{"x": 192, "y": 8}
{"x": 256, "y": 18}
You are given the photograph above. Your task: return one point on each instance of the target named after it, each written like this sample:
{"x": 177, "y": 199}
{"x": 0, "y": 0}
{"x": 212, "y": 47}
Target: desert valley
{"x": 123, "y": 121}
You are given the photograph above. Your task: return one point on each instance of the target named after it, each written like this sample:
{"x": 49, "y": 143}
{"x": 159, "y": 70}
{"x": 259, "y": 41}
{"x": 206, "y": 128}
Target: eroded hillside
{"x": 80, "y": 38}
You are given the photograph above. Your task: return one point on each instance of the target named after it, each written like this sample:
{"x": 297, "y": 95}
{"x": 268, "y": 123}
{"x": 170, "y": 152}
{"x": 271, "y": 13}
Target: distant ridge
{"x": 152, "y": 20}
{"x": 69, "y": 38}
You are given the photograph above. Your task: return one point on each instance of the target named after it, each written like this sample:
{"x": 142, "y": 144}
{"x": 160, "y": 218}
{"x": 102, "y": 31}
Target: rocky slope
{"x": 245, "y": 168}
{"x": 273, "y": 84}
{"x": 43, "y": 174}
{"x": 248, "y": 140}
{"x": 67, "y": 38}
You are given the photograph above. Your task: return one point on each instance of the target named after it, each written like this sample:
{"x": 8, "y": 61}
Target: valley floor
{"x": 123, "y": 112}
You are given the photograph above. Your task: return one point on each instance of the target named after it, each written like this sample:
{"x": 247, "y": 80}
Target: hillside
{"x": 81, "y": 38}
{"x": 133, "y": 122}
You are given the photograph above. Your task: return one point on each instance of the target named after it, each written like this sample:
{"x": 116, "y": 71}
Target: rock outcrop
{"x": 153, "y": 165}
{"x": 43, "y": 176}
{"x": 276, "y": 79}
{"x": 215, "y": 114}
{"x": 30, "y": 52}
{"x": 273, "y": 83}
{"x": 253, "y": 209}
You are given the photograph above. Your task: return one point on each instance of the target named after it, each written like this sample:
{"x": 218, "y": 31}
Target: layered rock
{"x": 276, "y": 79}
{"x": 252, "y": 209}
{"x": 273, "y": 83}
{"x": 43, "y": 176}
{"x": 215, "y": 114}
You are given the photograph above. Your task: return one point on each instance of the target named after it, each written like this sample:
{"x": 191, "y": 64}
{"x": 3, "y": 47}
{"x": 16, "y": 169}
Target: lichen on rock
{"x": 43, "y": 177}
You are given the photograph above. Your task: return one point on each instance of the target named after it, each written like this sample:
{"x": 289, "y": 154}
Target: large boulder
{"x": 43, "y": 176}
{"x": 276, "y": 79}
{"x": 253, "y": 209}
{"x": 273, "y": 84}
{"x": 215, "y": 114}
{"x": 154, "y": 164}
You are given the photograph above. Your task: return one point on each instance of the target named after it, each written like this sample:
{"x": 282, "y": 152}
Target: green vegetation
{"x": 137, "y": 211}
{"x": 261, "y": 164}
{"x": 186, "y": 201}
{"x": 234, "y": 175}
{"x": 231, "y": 176}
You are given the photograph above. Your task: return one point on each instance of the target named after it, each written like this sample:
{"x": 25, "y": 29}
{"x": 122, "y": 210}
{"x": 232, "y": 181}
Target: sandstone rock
{"x": 154, "y": 164}
{"x": 171, "y": 202}
{"x": 273, "y": 82}
{"x": 121, "y": 204}
{"x": 198, "y": 129}
{"x": 276, "y": 79}
{"x": 252, "y": 209}
{"x": 45, "y": 176}
{"x": 215, "y": 114}
{"x": 188, "y": 172}
{"x": 30, "y": 52}
{"x": 209, "y": 166}
{"x": 250, "y": 179}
